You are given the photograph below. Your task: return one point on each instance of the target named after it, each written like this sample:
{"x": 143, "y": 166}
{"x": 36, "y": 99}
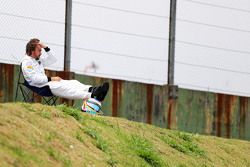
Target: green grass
{"x": 71, "y": 111}
{"x": 79, "y": 137}
{"x": 184, "y": 143}
{"x": 112, "y": 162}
{"x": 144, "y": 149}
{"x": 38, "y": 135}
{"x": 21, "y": 156}
{"x": 49, "y": 136}
{"x": 28, "y": 106}
{"x": 59, "y": 157}
{"x": 99, "y": 141}
{"x": 45, "y": 114}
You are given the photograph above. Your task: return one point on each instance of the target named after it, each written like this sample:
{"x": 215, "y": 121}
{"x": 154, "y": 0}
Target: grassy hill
{"x": 38, "y": 135}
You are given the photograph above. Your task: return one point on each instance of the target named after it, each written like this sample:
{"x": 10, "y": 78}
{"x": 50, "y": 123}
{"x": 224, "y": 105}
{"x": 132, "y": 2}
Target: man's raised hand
{"x": 42, "y": 45}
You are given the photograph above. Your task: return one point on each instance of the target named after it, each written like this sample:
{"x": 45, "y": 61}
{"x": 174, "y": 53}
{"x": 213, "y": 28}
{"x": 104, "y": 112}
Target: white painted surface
{"x": 128, "y": 40}
{"x": 213, "y": 46}
{"x": 26, "y": 19}
{"x": 125, "y": 39}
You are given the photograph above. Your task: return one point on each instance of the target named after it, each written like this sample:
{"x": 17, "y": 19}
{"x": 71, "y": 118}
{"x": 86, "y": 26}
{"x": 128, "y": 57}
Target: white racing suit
{"x": 34, "y": 74}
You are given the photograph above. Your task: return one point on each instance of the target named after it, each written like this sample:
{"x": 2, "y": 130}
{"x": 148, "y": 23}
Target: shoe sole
{"x": 105, "y": 88}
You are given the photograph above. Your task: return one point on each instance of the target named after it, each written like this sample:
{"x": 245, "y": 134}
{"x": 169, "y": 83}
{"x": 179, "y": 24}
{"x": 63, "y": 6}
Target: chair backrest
{"x": 44, "y": 92}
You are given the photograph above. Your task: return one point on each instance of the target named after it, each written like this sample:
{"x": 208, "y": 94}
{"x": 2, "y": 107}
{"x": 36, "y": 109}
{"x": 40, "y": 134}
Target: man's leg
{"x": 98, "y": 93}
{"x": 73, "y": 89}
{"x": 70, "y": 90}
{"x": 79, "y": 85}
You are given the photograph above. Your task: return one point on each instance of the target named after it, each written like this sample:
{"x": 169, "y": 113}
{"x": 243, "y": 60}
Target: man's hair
{"x": 31, "y": 46}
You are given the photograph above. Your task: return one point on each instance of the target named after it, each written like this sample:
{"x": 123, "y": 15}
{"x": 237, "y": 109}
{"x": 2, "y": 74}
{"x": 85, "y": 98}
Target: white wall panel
{"x": 216, "y": 80}
{"x": 212, "y": 46}
{"x": 109, "y": 69}
{"x": 26, "y": 19}
{"x": 146, "y": 7}
{"x": 125, "y": 39}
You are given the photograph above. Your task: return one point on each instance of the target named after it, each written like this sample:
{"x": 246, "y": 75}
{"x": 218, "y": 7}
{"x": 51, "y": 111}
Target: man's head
{"x": 33, "y": 48}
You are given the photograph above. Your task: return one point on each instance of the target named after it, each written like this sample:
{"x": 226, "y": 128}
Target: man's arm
{"x": 48, "y": 58}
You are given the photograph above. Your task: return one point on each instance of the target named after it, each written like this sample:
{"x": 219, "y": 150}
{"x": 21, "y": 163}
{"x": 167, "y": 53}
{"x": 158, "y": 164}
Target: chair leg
{"x": 27, "y": 95}
{"x": 47, "y": 101}
{"x": 30, "y": 96}
{"x": 24, "y": 94}
{"x": 17, "y": 91}
{"x": 54, "y": 100}
{"x": 18, "y": 82}
{"x": 50, "y": 101}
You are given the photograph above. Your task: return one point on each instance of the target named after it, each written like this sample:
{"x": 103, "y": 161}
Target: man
{"x": 33, "y": 70}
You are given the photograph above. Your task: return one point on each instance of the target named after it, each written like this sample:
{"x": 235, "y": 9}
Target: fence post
{"x": 67, "y": 39}
{"x": 172, "y": 89}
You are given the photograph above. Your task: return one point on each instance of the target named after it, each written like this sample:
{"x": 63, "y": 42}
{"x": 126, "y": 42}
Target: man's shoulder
{"x": 27, "y": 60}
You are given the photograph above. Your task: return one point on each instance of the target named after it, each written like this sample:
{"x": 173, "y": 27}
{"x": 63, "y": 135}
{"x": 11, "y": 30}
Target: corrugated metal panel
{"x": 6, "y": 82}
{"x": 116, "y": 96}
{"x": 225, "y": 107}
{"x": 149, "y": 95}
{"x": 244, "y": 112}
{"x": 193, "y": 111}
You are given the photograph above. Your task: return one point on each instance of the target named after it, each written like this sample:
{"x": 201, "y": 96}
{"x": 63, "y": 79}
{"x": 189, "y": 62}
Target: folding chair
{"x": 30, "y": 93}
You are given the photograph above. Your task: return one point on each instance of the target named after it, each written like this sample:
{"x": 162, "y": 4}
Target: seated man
{"x": 33, "y": 70}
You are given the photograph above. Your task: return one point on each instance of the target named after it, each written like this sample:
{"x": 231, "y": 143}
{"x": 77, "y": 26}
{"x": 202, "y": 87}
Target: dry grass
{"x": 38, "y": 135}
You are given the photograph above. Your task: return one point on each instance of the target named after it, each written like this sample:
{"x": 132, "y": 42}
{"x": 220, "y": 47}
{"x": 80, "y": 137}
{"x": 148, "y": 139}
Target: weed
{"x": 67, "y": 162}
{"x": 52, "y": 153}
{"x": 102, "y": 121}
{"x": 22, "y": 154}
{"x": 183, "y": 142}
{"x": 34, "y": 142}
{"x": 99, "y": 141}
{"x": 50, "y": 136}
{"x": 58, "y": 115}
{"x": 28, "y": 106}
{"x": 91, "y": 132}
{"x": 112, "y": 162}
{"x": 71, "y": 111}
{"x": 18, "y": 151}
{"x": 79, "y": 137}
{"x": 102, "y": 144}
{"x": 45, "y": 114}
{"x": 185, "y": 136}
{"x": 145, "y": 150}
{"x": 58, "y": 157}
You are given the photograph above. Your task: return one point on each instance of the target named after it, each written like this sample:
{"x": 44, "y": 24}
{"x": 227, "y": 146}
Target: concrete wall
{"x": 193, "y": 111}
